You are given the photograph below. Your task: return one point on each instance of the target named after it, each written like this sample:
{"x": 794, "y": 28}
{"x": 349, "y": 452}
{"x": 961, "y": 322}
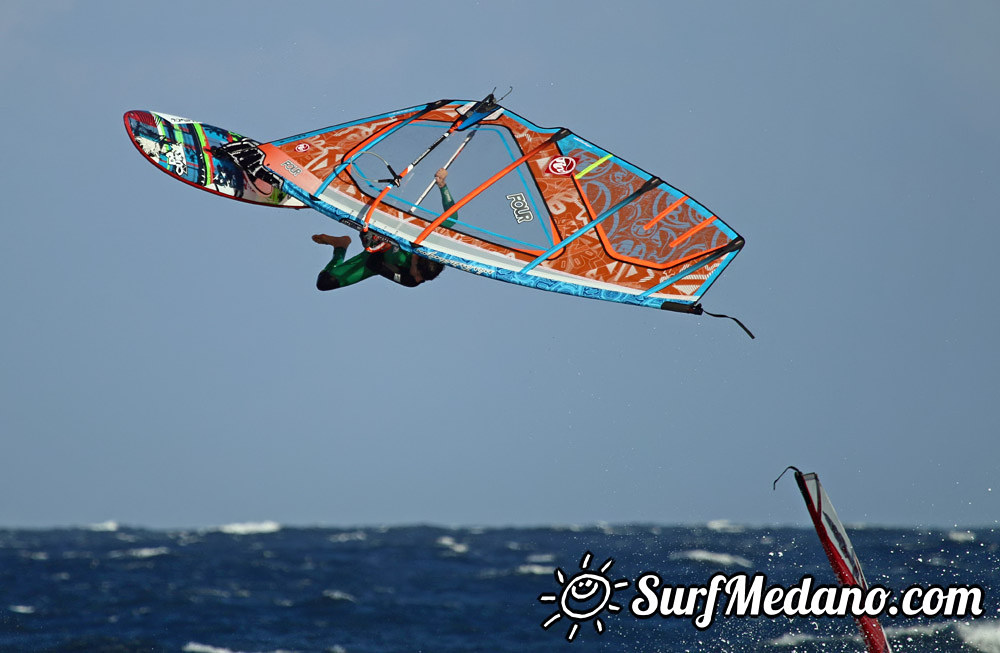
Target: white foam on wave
{"x": 535, "y": 570}
{"x": 145, "y": 552}
{"x": 962, "y": 537}
{"x": 250, "y": 528}
{"x": 185, "y": 538}
{"x": 104, "y": 527}
{"x": 791, "y": 639}
{"x": 724, "y": 526}
{"x": 710, "y": 557}
{"x": 448, "y": 542}
{"x": 21, "y": 609}
{"x": 921, "y": 629}
{"x": 195, "y": 647}
{"x": 982, "y": 635}
{"x": 338, "y": 595}
{"x": 350, "y": 536}
{"x": 542, "y": 557}
{"x": 798, "y": 639}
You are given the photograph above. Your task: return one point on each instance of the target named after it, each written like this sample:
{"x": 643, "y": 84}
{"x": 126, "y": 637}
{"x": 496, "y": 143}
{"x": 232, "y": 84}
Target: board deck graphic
{"x": 184, "y": 149}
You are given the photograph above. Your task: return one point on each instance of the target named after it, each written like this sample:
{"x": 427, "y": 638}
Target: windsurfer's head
{"x": 428, "y": 268}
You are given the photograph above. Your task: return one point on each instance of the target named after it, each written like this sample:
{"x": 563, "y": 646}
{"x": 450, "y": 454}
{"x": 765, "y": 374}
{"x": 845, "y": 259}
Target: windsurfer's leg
{"x": 338, "y": 272}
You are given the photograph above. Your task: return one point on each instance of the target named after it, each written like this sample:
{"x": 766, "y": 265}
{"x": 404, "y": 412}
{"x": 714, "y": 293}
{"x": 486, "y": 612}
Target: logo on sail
{"x": 519, "y": 205}
{"x": 562, "y": 165}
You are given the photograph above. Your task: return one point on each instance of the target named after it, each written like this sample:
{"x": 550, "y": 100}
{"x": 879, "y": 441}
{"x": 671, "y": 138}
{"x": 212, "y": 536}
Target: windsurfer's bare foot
{"x": 334, "y": 241}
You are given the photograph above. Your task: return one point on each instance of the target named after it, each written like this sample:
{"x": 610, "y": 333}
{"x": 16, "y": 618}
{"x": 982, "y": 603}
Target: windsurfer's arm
{"x": 447, "y": 201}
{"x": 414, "y": 271}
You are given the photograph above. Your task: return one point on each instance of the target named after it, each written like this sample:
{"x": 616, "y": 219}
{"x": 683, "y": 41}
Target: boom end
{"x": 696, "y": 309}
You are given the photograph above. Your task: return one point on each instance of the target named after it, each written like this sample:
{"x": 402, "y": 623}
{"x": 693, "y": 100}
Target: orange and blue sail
{"x": 538, "y": 207}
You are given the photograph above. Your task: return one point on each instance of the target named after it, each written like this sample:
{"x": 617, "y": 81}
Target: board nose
{"x": 134, "y": 118}
{"x": 142, "y": 131}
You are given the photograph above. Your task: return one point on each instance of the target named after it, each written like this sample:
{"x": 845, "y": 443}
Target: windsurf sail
{"x": 840, "y": 552}
{"x": 537, "y": 207}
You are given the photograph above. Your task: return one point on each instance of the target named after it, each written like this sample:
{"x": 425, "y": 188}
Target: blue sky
{"x": 167, "y": 361}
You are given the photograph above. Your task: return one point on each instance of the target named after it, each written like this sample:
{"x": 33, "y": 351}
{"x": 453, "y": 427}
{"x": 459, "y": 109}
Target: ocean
{"x": 266, "y": 588}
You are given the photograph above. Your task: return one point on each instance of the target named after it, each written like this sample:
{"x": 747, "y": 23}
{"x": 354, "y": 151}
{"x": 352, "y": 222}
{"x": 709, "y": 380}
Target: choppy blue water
{"x": 264, "y": 588}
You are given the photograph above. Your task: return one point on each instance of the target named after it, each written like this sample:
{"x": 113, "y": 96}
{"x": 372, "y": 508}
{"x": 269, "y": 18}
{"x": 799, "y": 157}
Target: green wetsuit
{"x": 393, "y": 264}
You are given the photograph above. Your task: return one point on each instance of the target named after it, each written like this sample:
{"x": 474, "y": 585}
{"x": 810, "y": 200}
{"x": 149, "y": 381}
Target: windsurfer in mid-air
{"x": 396, "y": 265}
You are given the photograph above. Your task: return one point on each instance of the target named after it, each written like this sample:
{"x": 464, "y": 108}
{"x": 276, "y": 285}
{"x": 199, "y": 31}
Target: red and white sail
{"x": 840, "y": 552}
